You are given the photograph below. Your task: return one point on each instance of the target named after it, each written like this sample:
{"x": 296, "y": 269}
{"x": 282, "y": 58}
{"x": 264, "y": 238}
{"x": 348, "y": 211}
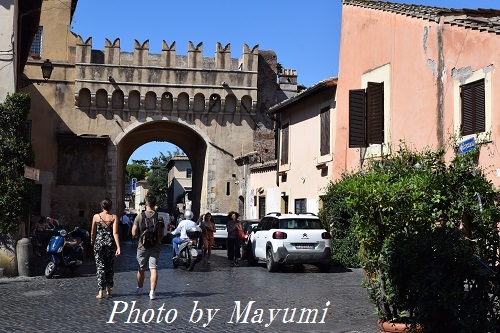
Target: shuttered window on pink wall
{"x": 473, "y": 107}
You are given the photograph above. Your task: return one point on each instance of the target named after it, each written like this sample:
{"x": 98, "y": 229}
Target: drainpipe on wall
{"x": 277, "y": 127}
{"x": 440, "y": 88}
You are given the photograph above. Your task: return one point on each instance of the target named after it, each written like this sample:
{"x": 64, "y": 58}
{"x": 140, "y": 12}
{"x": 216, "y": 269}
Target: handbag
{"x": 241, "y": 235}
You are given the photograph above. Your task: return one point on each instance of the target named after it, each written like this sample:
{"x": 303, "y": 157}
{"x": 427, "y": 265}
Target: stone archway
{"x": 188, "y": 137}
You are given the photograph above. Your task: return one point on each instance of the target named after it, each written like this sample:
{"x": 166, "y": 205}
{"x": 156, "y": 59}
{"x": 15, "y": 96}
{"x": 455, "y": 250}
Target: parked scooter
{"x": 189, "y": 253}
{"x": 65, "y": 250}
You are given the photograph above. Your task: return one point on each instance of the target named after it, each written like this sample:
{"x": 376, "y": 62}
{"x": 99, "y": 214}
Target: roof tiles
{"x": 481, "y": 19}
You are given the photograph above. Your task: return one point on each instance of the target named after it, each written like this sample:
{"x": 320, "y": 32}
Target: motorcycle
{"x": 65, "y": 249}
{"x": 189, "y": 253}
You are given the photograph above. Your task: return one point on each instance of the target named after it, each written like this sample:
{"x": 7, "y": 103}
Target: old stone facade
{"x": 101, "y": 105}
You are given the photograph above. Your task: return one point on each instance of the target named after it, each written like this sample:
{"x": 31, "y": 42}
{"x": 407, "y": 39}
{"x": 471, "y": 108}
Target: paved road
{"x": 238, "y": 299}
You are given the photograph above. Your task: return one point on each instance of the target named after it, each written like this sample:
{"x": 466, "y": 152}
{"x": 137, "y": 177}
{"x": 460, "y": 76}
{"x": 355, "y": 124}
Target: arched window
{"x": 84, "y": 98}
{"x": 101, "y": 99}
{"x": 117, "y": 99}
{"x": 183, "y": 102}
{"x": 167, "y": 102}
{"x": 214, "y": 105}
{"x": 199, "y": 103}
{"x": 134, "y": 100}
{"x": 150, "y": 101}
{"x": 246, "y": 104}
{"x": 230, "y": 105}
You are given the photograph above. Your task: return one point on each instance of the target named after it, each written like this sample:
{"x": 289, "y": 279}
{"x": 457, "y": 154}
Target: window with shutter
{"x": 284, "y": 144}
{"x": 357, "y": 118}
{"x": 325, "y": 131}
{"x": 473, "y": 107}
{"x": 366, "y": 115}
{"x": 375, "y": 112}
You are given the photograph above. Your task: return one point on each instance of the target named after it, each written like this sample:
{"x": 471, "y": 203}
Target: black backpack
{"x": 149, "y": 236}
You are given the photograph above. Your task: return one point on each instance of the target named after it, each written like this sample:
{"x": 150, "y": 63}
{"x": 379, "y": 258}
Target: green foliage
{"x": 427, "y": 272}
{"x": 136, "y": 170}
{"x": 403, "y": 210}
{"x": 158, "y": 177}
{"x": 16, "y": 192}
{"x": 141, "y": 162}
{"x": 336, "y": 214}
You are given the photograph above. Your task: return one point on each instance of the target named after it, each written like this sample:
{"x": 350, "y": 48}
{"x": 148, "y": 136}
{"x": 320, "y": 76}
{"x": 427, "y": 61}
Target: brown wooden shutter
{"x": 284, "y": 144}
{"x": 375, "y": 112}
{"x": 357, "y": 118}
{"x": 473, "y": 107}
{"x": 325, "y": 131}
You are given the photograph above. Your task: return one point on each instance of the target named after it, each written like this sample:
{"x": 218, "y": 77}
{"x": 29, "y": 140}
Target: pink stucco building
{"x": 419, "y": 74}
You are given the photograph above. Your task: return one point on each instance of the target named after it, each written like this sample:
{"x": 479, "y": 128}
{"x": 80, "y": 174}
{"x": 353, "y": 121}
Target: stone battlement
{"x": 112, "y": 55}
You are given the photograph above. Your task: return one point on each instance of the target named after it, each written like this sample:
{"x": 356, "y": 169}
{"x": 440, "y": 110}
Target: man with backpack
{"x": 149, "y": 229}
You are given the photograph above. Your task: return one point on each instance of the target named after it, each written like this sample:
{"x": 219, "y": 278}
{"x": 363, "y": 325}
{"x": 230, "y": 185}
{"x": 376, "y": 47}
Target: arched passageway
{"x": 185, "y": 136}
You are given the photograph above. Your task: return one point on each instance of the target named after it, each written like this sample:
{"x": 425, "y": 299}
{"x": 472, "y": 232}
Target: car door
{"x": 261, "y": 236}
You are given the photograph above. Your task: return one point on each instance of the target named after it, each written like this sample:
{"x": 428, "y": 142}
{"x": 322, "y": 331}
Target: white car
{"x": 220, "y": 235}
{"x": 290, "y": 239}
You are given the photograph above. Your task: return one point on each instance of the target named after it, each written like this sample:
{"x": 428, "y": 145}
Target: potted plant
{"x": 426, "y": 228}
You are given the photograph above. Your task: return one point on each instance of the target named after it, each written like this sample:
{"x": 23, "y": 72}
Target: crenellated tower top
{"x": 112, "y": 55}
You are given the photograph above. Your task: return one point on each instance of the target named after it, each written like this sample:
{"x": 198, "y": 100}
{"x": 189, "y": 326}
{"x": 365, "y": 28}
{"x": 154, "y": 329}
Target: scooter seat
{"x": 72, "y": 241}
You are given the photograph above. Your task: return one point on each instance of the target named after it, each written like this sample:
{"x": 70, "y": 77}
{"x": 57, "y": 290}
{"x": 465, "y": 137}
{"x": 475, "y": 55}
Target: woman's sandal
{"x": 108, "y": 293}
{"x": 99, "y": 295}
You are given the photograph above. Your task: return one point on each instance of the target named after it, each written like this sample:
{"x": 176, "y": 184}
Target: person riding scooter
{"x": 181, "y": 229}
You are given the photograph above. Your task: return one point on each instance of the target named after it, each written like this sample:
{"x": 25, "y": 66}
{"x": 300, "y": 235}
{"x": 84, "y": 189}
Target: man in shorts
{"x": 148, "y": 257}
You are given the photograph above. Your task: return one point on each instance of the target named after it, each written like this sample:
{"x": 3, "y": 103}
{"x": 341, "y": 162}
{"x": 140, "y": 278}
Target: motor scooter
{"x": 65, "y": 249}
{"x": 189, "y": 253}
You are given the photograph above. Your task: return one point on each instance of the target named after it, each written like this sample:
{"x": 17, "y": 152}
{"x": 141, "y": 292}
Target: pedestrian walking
{"x": 149, "y": 230}
{"x": 124, "y": 227}
{"x": 208, "y": 228}
{"x": 233, "y": 242}
{"x": 104, "y": 236}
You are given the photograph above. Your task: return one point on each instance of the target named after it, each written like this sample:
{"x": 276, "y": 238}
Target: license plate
{"x": 305, "y": 246}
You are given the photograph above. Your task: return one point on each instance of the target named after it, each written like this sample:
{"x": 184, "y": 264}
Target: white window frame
{"x": 483, "y": 73}
{"x": 380, "y": 74}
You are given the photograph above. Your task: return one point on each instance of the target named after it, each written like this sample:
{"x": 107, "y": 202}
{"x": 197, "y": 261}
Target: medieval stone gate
{"x": 99, "y": 106}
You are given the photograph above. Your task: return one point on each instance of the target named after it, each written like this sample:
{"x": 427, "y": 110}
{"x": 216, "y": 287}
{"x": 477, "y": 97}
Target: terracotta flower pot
{"x": 386, "y": 327}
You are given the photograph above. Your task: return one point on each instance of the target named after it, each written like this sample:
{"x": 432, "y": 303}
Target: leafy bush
{"x": 16, "y": 192}
{"x": 336, "y": 214}
{"x": 417, "y": 196}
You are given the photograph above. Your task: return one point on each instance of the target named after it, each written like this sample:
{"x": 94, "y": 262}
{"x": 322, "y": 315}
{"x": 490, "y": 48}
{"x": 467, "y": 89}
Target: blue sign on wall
{"x": 467, "y": 145}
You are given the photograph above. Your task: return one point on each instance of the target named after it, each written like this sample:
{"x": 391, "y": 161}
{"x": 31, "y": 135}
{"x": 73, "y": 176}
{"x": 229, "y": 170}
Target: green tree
{"x": 158, "y": 177}
{"x": 422, "y": 226}
{"x": 16, "y": 191}
{"x": 138, "y": 169}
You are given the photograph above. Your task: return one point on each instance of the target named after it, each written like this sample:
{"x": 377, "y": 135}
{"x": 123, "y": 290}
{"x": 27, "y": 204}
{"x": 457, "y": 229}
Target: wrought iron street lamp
{"x": 47, "y": 68}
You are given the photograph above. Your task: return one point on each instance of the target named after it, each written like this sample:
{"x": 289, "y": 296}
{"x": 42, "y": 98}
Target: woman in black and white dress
{"x": 105, "y": 238}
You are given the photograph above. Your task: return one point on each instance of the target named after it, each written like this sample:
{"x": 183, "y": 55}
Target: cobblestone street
{"x": 186, "y": 299}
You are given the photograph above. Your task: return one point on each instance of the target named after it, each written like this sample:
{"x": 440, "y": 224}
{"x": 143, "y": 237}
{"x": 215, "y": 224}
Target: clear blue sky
{"x": 304, "y": 34}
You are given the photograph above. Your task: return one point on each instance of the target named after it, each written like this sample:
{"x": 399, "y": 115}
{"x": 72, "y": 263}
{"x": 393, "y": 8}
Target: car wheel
{"x": 252, "y": 261}
{"x": 272, "y": 266}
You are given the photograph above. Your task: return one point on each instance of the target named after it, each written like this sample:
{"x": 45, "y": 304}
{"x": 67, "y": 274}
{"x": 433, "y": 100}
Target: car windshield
{"x": 301, "y": 224}
{"x": 220, "y": 219}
